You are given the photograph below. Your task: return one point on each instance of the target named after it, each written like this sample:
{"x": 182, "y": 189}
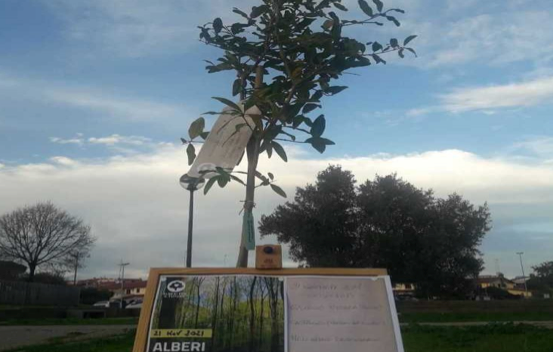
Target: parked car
{"x": 136, "y": 305}
{"x": 103, "y": 304}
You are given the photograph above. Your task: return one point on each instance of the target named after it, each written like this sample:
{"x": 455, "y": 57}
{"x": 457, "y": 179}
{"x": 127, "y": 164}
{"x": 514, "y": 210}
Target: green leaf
{"x": 236, "y": 86}
{"x": 394, "y": 43}
{"x": 278, "y": 190}
{"x": 400, "y": 53}
{"x": 196, "y": 128}
{"x": 297, "y": 121}
{"x": 237, "y": 179}
{"x": 228, "y": 103}
{"x": 204, "y": 135}
{"x": 317, "y": 143}
{"x": 271, "y": 176}
{"x": 241, "y": 13}
{"x": 378, "y": 59}
{"x": 376, "y": 46}
{"x": 191, "y": 153}
{"x": 217, "y": 25}
{"x": 397, "y": 10}
{"x": 379, "y": 5}
{"x": 309, "y": 107}
{"x": 316, "y": 96}
{"x": 340, "y": 6}
{"x": 320, "y": 147}
{"x": 408, "y": 39}
{"x": 335, "y": 89}
{"x": 413, "y": 51}
{"x": 327, "y": 141}
{"x": 366, "y": 8}
{"x": 210, "y": 183}
{"x": 258, "y": 10}
{"x": 237, "y": 28}
{"x": 257, "y": 121}
{"x": 393, "y": 19}
{"x": 222, "y": 181}
{"x": 319, "y": 126}
{"x": 184, "y": 141}
{"x": 280, "y": 151}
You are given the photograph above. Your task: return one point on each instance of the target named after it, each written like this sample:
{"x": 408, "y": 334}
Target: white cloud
{"x": 78, "y": 141}
{"x": 135, "y": 28}
{"x": 128, "y": 108}
{"x": 92, "y": 99}
{"x": 541, "y": 147}
{"x": 489, "y": 99}
{"x": 118, "y": 139}
{"x": 64, "y": 161}
{"x": 488, "y": 33}
{"x": 139, "y": 212}
{"x": 524, "y": 94}
{"x": 114, "y": 142}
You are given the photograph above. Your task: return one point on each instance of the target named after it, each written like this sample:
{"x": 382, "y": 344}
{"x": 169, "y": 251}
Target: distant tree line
{"x": 542, "y": 278}
{"x": 389, "y": 223}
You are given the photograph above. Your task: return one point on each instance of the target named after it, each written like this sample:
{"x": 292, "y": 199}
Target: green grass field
{"x": 404, "y": 318}
{"x": 491, "y": 338}
{"x": 121, "y": 343}
{"x": 481, "y": 316}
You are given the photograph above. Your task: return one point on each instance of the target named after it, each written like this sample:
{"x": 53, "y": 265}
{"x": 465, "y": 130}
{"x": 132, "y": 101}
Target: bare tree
{"x": 42, "y": 234}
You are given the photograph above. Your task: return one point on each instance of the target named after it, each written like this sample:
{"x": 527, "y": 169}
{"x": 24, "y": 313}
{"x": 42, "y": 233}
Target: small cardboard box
{"x": 268, "y": 257}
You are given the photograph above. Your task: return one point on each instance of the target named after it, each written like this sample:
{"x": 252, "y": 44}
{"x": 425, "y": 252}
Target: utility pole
{"x": 76, "y": 267}
{"x": 522, "y": 268}
{"x": 122, "y": 268}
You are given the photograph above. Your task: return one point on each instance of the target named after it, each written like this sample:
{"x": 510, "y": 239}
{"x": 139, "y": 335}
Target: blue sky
{"x": 94, "y": 93}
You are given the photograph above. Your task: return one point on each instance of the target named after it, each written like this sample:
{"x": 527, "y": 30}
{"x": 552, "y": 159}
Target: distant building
{"x": 501, "y": 282}
{"x": 97, "y": 282}
{"x": 520, "y": 282}
{"x": 404, "y": 290}
{"x": 11, "y": 270}
{"x": 131, "y": 287}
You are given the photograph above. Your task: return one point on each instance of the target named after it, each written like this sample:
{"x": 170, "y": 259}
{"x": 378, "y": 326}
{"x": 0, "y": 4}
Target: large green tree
{"x": 387, "y": 223}
{"x": 286, "y": 56}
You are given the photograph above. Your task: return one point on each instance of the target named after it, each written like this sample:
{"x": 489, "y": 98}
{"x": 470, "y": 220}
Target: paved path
{"x": 17, "y": 336}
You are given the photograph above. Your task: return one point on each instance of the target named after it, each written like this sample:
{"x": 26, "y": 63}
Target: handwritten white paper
{"x": 225, "y": 143}
{"x": 329, "y": 314}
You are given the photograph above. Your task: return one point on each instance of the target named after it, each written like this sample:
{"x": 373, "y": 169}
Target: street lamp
{"x": 191, "y": 184}
{"x": 522, "y": 268}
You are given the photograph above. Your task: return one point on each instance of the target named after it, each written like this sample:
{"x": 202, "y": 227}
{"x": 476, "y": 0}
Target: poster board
{"x": 288, "y": 310}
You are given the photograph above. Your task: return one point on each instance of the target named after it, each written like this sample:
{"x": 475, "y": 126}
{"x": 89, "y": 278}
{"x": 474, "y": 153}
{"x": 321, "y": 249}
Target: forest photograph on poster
{"x": 218, "y": 314}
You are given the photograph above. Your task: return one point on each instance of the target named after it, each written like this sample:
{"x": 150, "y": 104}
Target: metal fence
{"x": 34, "y": 294}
